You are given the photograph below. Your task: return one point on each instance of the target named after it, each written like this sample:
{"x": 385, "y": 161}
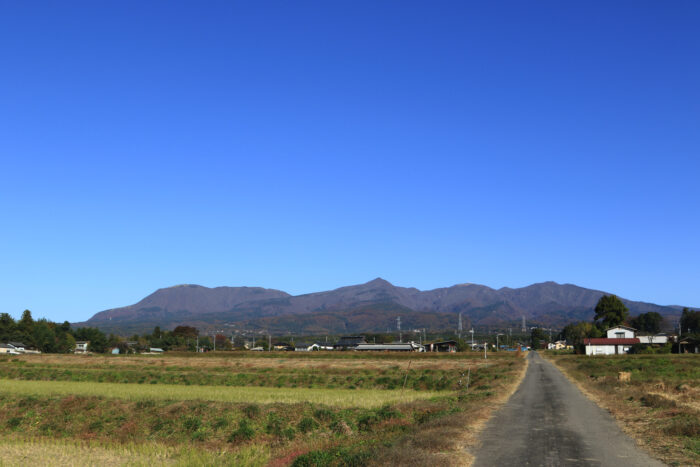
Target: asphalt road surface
{"x": 548, "y": 421}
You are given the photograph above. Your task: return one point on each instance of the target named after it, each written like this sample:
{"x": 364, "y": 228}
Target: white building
{"x": 620, "y": 332}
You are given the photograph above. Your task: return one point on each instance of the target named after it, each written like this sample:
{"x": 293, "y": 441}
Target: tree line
{"x": 610, "y": 311}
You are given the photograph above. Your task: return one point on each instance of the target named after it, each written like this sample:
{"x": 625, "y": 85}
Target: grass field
{"x": 259, "y": 395}
{"x": 659, "y": 406}
{"x": 316, "y": 409}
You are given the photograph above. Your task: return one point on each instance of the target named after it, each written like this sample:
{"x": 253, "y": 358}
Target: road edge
{"x": 640, "y": 443}
{"x": 473, "y": 434}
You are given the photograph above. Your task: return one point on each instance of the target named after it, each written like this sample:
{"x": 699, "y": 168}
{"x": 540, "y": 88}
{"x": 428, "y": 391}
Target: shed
{"x": 349, "y": 342}
{"x": 444, "y": 346}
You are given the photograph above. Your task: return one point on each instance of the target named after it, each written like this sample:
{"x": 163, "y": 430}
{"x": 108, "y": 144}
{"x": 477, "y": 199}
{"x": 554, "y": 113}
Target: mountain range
{"x": 370, "y": 307}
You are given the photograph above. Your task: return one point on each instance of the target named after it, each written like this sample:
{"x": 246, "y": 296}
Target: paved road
{"x": 549, "y": 422}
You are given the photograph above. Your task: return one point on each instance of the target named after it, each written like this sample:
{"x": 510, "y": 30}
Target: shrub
{"x": 657, "y": 402}
{"x": 244, "y": 432}
{"x": 192, "y": 423}
{"x": 251, "y": 411}
{"x": 684, "y": 425}
{"x": 307, "y": 424}
{"x": 275, "y": 424}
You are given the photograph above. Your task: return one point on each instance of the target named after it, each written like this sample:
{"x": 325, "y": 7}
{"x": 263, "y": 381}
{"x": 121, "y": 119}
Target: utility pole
{"x": 472, "y": 333}
{"x": 459, "y": 327}
{"x": 269, "y": 342}
{"x": 398, "y": 326}
{"x": 197, "y": 349}
{"x": 497, "y": 341}
{"x": 524, "y": 328}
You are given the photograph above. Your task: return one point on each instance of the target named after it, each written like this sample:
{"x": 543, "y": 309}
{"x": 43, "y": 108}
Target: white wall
{"x": 612, "y": 333}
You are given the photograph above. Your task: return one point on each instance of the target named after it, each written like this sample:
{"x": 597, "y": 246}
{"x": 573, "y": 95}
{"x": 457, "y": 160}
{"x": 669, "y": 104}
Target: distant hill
{"x": 369, "y": 307}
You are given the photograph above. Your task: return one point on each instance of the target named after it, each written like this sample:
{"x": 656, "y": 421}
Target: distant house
{"x": 444, "y": 346}
{"x": 81, "y": 346}
{"x": 620, "y": 332}
{"x": 8, "y": 349}
{"x": 155, "y": 350}
{"x": 608, "y": 345}
{"x": 324, "y": 346}
{"x": 558, "y": 345}
{"x": 302, "y": 347}
{"x": 282, "y": 346}
{"x": 349, "y": 342}
{"x": 660, "y": 339}
{"x": 689, "y": 345}
{"x": 392, "y": 347}
{"x": 19, "y": 346}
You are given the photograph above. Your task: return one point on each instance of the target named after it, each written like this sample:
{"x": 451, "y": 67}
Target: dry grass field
{"x": 659, "y": 406}
{"x": 245, "y": 409}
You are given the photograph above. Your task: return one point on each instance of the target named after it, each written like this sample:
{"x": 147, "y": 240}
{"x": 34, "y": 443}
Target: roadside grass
{"x": 260, "y": 395}
{"x": 659, "y": 406}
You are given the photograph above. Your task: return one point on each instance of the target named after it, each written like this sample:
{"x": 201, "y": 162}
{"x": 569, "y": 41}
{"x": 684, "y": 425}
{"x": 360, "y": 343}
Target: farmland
{"x": 658, "y": 406}
{"x": 240, "y": 408}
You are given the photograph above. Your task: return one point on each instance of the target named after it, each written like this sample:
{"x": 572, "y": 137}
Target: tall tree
{"x": 610, "y": 311}
{"x": 690, "y": 321}
{"x": 647, "y": 322}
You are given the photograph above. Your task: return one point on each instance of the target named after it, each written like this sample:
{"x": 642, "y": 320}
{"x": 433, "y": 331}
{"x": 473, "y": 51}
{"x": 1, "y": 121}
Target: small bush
{"x": 14, "y": 422}
{"x": 684, "y": 425}
{"x": 244, "y": 432}
{"x": 251, "y": 411}
{"x": 657, "y": 402}
{"x": 192, "y": 423}
{"x": 324, "y": 415}
{"x": 275, "y": 424}
{"x": 307, "y": 424}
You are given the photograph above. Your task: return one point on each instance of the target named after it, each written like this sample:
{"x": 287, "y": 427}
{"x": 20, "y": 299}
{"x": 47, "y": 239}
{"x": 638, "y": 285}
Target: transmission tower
{"x": 524, "y": 328}
{"x": 398, "y": 326}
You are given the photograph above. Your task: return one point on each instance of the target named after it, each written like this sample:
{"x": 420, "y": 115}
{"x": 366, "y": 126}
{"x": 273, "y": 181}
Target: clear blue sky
{"x": 309, "y": 145}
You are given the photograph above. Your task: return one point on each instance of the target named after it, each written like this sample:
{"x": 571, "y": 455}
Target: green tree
{"x": 647, "y": 322}
{"x": 690, "y": 321}
{"x": 537, "y": 336}
{"x": 610, "y": 311}
{"x": 575, "y": 333}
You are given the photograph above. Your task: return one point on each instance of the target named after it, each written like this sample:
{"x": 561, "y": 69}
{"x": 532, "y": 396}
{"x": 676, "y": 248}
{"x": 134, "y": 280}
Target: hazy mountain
{"x": 372, "y": 306}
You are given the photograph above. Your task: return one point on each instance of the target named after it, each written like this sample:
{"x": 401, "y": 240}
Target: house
{"x": 19, "y": 346}
{"x": 8, "y": 349}
{"x": 392, "y": 347}
{"x": 689, "y": 345}
{"x": 156, "y": 350}
{"x": 445, "y": 346}
{"x": 81, "y": 346}
{"x": 620, "y": 332}
{"x": 306, "y": 347}
{"x": 558, "y": 345}
{"x": 660, "y": 339}
{"x": 324, "y": 346}
{"x": 609, "y": 345}
{"x": 349, "y": 342}
{"x": 282, "y": 346}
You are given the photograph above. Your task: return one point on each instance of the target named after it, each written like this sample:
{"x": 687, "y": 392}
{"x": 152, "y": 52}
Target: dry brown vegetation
{"x": 659, "y": 406}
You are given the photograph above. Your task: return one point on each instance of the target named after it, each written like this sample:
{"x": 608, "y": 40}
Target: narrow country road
{"x": 549, "y": 422}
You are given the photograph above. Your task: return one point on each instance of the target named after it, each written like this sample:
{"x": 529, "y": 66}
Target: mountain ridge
{"x": 378, "y": 302}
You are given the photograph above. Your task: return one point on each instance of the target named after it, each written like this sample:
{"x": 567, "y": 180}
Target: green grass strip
{"x": 263, "y": 395}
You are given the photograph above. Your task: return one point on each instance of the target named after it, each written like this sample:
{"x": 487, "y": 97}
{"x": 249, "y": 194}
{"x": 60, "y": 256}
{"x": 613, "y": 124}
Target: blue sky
{"x": 308, "y": 145}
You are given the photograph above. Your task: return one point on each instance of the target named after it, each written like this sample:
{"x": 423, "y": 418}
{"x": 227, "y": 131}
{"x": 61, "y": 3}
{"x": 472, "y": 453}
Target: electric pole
{"x": 398, "y": 326}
